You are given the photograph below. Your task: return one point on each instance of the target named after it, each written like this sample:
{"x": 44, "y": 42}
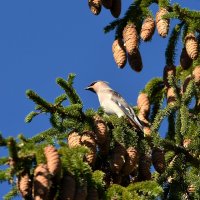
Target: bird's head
{"x": 97, "y": 86}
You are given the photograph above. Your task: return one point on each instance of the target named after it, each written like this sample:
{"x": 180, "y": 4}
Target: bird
{"x": 113, "y": 103}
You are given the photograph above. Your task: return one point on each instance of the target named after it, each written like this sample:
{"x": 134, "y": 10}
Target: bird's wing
{"x": 126, "y": 108}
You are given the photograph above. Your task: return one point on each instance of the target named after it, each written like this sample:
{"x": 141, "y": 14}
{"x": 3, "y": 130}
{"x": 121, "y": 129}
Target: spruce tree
{"x": 86, "y": 154}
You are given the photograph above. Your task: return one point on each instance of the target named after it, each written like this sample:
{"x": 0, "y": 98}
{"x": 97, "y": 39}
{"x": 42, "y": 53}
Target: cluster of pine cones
{"x": 120, "y": 165}
{"x": 113, "y": 5}
{"x": 171, "y": 71}
{"x": 126, "y": 48}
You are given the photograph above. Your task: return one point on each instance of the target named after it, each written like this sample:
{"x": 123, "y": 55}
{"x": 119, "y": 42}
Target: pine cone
{"x": 74, "y": 140}
{"x": 92, "y": 194}
{"x": 41, "y": 183}
{"x": 191, "y": 46}
{"x": 119, "y": 53}
{"x": 131, "y": 161}
{"x": 81, "y": 192}
{"x": 143, "y": 104}
{"x": 130, "y": 38}
{"x": 135, "y": 61}
{"x": 95, "y": 6}
{"x": 191, "y": 188}
{"x": 147, "y": 131}
{"x": 67, "y": 188}
{"x": 158, "y": 160}
{"x": 104, "y": 148}
{"x": 24, "y": 184}
{"x": 88, "y": 140}
{"x": 100, "y": 129}
{"x": 196, "y": 74}
{"x": 107, "y": 3}
{"x": 162, "y": 24}
{"x": 148, "y": 28}
{"x": 171, "y": 97}
{"x": 186, "y": 142}
{"x": 143, "y": 119}
{"x": 117, "y": 158}
{"x": 116, "y": 179}
{"x": 168, "y": 71}
{"x": 144, "y": 168}
{"x": 53, "y": 160}
{"x": 116, "y": 8}
{"x": 185, "y": 60}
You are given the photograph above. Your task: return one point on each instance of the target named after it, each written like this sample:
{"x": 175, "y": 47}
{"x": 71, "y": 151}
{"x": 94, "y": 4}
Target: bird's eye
{"x": 93, "y": 83}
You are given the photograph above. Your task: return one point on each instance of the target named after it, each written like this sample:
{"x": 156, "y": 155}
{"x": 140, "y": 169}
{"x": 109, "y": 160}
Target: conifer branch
{"x": 169, "y": 145}
{"x": 3, "y": 141}
{"x": 4, "y": 160}
{"x": 171, "y": 127}
{"x": 184, "y": 119}
{"x": 40, "y": 101}
{"x": 49, "y": 133}
{"x": 161, "y": 115}
{"x": 70, "y": 91}
{"x": 5, "y": 175}
{"x": 189, "y": 93}
{"x": 12, "y": 193}
{"x": 12, "y": 148}
{"x": 170, "y": 52}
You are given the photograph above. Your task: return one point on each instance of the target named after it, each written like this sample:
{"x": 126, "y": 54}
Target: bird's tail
{"x": 136, "y": 123}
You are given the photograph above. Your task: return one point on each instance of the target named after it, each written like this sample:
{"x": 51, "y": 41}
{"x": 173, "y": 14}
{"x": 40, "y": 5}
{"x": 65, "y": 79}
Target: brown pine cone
{"x": 92, "y": 194}
{"x": 135, "y": 61}
{"x": 95, "y": 6}
{"x": 119, "y": 53}
{"x": 143, "y": 119}
{"x": 171, "y": 97}
{"x": 53, "y": 159}
{"x": 185, "y": 60}
{"x": 191, "y": 188}
{"x": 147, "y": 131}
{"x": 144, "y": 168}
{"x": 158, "y": 159}
{"x": 100, "y": 129}
{"x": 191, "y": 46}
{"x": 107, "y": 3}
{"x": 81, "y": 192}
{"x": 117, "y": 158}
{"x": 116, "y": 179}
{"x": 41, "y": 183}
{"x": 162, "y": 24}
{"x": 130, "y": 38}
{"x": 116, "y": 8}
{"x": 74, "y": 140}
{"x": 67, "y": 188}
{"x": 148, "y": 28}
{"x": 88, "y": 140}
{"x": 131, "y": 161}
{"x": 24, "y": 184}
{"x": 186, "y": 142}
{"x": 104, "y": 148}
{"x": 196, "y": 74}
{"x": 143, "y": 104}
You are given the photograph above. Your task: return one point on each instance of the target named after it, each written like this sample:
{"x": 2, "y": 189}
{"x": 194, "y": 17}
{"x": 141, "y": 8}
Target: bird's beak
{"x": 88, "y": 88}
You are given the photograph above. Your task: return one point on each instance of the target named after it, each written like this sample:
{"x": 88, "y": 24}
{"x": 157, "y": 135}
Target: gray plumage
{"x": 113, "y": 103}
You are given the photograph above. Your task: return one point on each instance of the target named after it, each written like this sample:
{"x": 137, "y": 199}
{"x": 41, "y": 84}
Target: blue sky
{"x": 43, "y": 40}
